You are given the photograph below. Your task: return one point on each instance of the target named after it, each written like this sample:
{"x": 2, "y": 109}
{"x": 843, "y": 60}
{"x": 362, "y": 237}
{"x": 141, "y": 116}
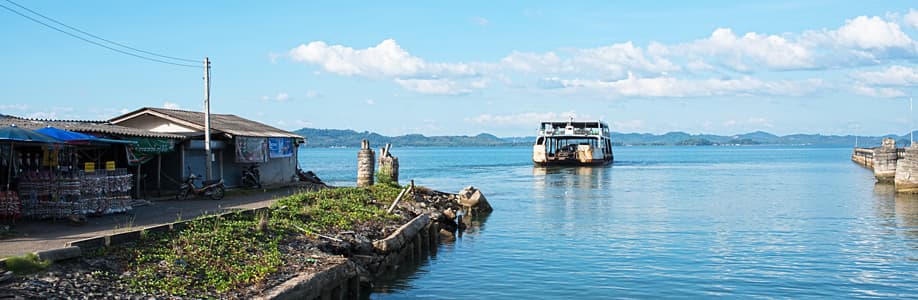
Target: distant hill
{"x": 351, "y": 138}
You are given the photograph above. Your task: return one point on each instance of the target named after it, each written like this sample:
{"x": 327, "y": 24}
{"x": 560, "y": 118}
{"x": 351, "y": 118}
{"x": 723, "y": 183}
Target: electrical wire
{"x": 98, "y": 37}
{"x": 94, "y": 42}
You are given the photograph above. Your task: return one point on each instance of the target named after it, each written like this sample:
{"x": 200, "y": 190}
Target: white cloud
{"x": 19, "y": 107}
{"x": 872, "y": 33}
{"x": 675, "y": 87}
{"x": 370, "y": 101}
{"x": 759, "y": 121}
{"x": 703, "y": 67}
{"x": 892, "y": 76}
{"x": 481, "y": 21}
{"x": 171, "y": 105}
{"x": 874, "y": 92}
{"x": 313, "y": 95}
{"x": 43, "y": 115}
{"x": 387, "y": 59}
{"x": 619, "y": 58}
{"x": 303, "y": 123}
{"x": 523, "y": 119}
{"x": 628, "y": 126}
{"x": 532, "y": 62}
{"x": 729, "y": 123}
{"x": 748, "y": 52}
{"x": 433, "y": 86}
{"x": 911, "y": 18}
{"x": 282, "y": 97}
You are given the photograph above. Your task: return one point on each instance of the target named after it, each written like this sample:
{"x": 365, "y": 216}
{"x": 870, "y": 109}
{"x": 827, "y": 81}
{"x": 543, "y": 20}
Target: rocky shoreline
{"x": 102, "y": 274}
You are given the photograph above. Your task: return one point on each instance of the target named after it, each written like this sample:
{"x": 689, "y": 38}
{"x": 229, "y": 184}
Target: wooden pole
{"x": 403, "y": 193}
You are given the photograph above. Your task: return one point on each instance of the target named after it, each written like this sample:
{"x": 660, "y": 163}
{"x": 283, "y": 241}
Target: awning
{"x": 77, "y": 138}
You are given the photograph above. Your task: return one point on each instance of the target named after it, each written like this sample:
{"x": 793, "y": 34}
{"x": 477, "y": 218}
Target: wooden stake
{"x": 394, "y": 203}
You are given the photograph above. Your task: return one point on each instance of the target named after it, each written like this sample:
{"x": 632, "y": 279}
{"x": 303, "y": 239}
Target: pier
{"x": 891, "y": 164}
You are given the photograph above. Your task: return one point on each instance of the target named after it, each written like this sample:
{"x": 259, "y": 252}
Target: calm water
{"x": 670, "y": 222}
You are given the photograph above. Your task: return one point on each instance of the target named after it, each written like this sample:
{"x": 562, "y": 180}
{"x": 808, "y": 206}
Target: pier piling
{"x": 365, "y": 164}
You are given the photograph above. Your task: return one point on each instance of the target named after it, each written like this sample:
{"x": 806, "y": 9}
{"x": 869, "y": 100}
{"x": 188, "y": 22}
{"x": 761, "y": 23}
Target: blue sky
{"x": 722, "y": 67}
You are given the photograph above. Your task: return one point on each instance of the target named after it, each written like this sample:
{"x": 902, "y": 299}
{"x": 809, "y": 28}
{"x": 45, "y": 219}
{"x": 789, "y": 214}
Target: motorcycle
{"x": 251, "y": 177}
{"x": 209, "y": 188}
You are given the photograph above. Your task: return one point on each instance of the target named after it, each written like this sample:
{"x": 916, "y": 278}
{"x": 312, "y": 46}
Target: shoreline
{"x": 102, "y": 272}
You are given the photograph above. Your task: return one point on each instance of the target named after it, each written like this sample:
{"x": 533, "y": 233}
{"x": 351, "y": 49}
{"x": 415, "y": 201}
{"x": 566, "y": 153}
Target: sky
{"x": 464, "y": 68}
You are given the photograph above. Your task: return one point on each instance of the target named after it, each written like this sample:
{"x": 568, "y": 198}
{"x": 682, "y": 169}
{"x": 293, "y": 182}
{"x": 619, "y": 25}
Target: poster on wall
{"x": 251, "y": 150}
{"x": 280, "y": 147}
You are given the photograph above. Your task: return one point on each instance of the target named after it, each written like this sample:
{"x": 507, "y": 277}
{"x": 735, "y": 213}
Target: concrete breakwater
{"x": 891, "y": 164}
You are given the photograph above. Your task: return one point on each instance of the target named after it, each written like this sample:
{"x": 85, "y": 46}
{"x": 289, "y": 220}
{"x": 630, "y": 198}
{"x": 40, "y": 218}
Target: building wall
{"x": 155, "y": 124}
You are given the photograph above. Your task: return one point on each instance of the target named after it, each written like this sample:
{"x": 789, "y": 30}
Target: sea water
{"x": 661, "y": 222}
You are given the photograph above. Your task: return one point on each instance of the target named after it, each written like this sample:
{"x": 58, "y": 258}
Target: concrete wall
{"x": 907, "y": 171}
{"x": 884, "y": 161}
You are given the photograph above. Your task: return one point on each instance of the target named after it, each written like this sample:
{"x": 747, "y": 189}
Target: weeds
{"x": 218, "y": 254}
{"x": 26, "y": 264}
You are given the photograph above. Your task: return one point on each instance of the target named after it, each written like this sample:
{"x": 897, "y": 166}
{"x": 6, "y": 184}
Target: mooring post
{"x": 365, "y": 164}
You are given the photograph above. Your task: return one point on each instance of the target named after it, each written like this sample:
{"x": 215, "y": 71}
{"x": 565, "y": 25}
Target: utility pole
{"x": 208, "y": 164}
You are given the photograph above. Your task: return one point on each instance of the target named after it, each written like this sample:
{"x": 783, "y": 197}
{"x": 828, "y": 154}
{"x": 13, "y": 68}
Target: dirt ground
{"x": 35, "y": 235}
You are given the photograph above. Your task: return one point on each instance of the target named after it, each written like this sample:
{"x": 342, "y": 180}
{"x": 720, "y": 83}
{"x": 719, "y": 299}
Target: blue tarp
{"x": 77, "y": 137}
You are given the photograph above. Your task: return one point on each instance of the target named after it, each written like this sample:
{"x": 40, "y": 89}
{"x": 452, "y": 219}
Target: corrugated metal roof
{"x": 230, "y": 124}
{"x": 99, "y": 127}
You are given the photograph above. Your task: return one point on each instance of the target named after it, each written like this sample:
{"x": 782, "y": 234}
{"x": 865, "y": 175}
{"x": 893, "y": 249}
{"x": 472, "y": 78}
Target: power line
{"x": 98, "y": 37}
{"x": 94, "y": 42}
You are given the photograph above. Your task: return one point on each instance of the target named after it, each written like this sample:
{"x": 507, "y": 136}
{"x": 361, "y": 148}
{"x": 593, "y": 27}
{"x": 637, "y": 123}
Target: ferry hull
{"x": 573, "y": 162}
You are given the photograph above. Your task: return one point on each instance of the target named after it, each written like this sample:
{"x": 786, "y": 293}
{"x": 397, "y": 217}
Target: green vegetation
{"x": 26, "y": 264}
{"x": 694, "y": 142}
{"x": 218, "y": 254}
{"x": 384, "y": 177}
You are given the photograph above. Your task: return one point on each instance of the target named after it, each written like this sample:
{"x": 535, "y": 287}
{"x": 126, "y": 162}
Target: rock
{"x": 449, "y": 213}
{"x": 446, "y": 235}
{"x": 473, "y": 198}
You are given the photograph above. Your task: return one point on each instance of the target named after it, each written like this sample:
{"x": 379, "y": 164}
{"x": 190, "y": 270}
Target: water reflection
{"x": 570, "y": 177}
{"x": 898, "y": 210}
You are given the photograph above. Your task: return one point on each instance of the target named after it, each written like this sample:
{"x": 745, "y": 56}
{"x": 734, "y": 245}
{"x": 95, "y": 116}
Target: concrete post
{"x": 365, "y": 164}
{"x": 884, "y": 161}
{"x": 907, "y": 171}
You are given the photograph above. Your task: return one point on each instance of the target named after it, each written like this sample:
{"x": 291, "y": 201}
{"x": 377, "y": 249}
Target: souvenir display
{"x": 49, "y": 195}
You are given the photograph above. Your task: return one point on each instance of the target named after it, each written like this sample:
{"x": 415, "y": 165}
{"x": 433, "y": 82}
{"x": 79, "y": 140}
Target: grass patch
{"x": 26, "y": 264}
{"x": 219, "y": 254}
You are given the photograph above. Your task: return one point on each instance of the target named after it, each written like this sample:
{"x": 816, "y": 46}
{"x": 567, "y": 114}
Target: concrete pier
{"x": 891, "y": 164}
{"x": 907, "y": 171}
{"x": 884, "y": 161}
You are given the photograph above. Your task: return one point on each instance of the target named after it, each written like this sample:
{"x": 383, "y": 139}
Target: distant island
{"x": 324, "y": 138}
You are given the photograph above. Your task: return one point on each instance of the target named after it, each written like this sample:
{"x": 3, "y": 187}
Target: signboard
{"x": 89, "y": 167}
{"x": 280, "y": 147}
{"x": 251, "y": 150}
{"x": 110, "y": 165}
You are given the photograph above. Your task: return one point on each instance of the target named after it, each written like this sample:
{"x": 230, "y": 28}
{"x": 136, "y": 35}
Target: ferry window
{"x": 540, "y": 141}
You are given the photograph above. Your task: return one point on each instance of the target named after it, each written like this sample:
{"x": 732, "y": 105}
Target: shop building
{"x": 236, "y": 143}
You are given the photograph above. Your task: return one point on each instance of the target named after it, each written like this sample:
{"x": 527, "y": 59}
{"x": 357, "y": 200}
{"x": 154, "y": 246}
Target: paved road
{"x": 35, "y": 235}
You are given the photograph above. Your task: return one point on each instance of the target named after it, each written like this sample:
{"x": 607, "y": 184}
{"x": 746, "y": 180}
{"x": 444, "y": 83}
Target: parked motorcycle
{"x": 209, "y": 188}
{"x": 251, "y": 177}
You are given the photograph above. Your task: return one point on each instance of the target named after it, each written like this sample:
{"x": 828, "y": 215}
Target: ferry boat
{"x": 573, "y": 143}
